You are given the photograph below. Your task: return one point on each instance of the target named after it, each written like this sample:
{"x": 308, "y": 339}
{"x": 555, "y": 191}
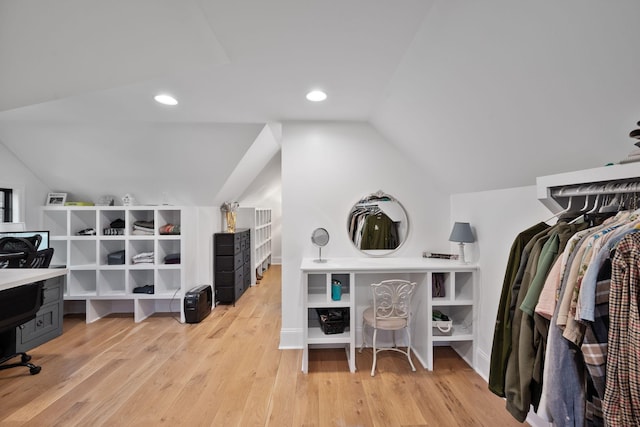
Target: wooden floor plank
{"x": 228, "y": 371}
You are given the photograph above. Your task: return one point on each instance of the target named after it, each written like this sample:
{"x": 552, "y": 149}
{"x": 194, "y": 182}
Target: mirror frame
{"x": 313, "y": 236}
{"x": 403, "y": 239}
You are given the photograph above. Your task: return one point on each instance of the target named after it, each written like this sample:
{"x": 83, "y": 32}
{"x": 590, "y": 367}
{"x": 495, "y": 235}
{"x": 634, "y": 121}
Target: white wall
{"x": 326, "y": 168}
{"x": 496, "y": 218}
{"x": 14, "y": 174}
{"x": 266, "y": 192}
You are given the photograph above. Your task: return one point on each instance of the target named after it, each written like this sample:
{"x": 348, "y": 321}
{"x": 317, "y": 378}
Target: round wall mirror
{"x": 320, "y": 238}
{"x": 378, "y": 224}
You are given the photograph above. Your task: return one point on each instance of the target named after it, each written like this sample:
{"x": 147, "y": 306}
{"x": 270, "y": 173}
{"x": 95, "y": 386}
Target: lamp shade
{"x": 461, "y": 233}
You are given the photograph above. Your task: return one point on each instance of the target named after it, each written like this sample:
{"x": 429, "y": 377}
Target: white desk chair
{"x": 391, "y": 311}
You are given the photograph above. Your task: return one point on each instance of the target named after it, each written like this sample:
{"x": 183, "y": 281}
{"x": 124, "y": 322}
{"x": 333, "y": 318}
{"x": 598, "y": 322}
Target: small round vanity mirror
{"x": 378, "y": 224}
{"x": 320, "y": 238}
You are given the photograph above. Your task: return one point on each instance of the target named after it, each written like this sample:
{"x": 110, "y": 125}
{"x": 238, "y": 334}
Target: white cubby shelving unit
{"x": 356, "y": 276}
{"x": 458, "y": 304}
{"x": 106, "y": 289}
{"x": 258, "y": 220}
{"x": 318, "y": 296}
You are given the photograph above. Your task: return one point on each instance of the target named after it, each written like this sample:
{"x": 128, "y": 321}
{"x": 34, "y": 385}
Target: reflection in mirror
{"x": 378, "y": 224}
{"x": 320, "y": 238}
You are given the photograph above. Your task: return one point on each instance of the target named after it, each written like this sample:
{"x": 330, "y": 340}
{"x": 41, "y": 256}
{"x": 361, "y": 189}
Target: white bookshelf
{"x": 258, "y": 220}
{"x": 104, "y": 289}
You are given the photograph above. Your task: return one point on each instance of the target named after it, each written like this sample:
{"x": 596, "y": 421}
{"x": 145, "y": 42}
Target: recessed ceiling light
{"x": 166, "y": 99}
{"x": 316, "y": 96}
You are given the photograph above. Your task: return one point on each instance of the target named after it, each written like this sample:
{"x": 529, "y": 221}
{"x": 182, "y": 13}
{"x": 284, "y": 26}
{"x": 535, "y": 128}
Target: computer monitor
{"x": 44, "y": 243}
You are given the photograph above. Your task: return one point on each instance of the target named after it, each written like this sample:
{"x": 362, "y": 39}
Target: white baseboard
{"x": 290, "y": 338}
{"x": 483, "y": 364}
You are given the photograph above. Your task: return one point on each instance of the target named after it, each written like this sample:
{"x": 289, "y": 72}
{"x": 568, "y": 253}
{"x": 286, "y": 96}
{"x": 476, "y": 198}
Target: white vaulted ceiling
{"x": 481, "y": 94}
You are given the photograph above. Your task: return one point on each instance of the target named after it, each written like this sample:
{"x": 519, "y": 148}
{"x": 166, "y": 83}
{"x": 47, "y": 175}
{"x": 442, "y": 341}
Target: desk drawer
{"x": 52, "y": 291}
{"x": 43, "y": 328}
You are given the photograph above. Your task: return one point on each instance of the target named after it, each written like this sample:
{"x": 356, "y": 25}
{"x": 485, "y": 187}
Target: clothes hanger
{"x": 596, "y": 206}
{"x": 612, "y": 206}
{"x": 570, "y": 208}
{"x": 586, "y": 206}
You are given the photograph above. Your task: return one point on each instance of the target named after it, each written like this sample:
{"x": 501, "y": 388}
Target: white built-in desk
{"x": 13, "y": 277}
{"x": 356, "y": 275}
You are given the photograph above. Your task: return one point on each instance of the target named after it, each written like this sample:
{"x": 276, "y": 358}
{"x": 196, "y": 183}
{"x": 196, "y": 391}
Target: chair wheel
{"x": 25, "y": 358}
{"x": 35, "y": 370}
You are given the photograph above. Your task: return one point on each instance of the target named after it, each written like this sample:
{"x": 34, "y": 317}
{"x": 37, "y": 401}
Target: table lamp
{"x": 462, "y": 234}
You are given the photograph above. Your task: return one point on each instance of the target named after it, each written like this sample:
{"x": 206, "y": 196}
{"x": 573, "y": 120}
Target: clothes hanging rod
{"x": 613, "y": 187}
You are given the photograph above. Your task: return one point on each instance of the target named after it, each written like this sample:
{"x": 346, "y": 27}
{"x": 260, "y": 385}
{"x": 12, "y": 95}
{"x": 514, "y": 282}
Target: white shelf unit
{"x": 106, "y": 289}
{"x": 259, "y": 221}
{"x": 317, "y": 289}
{"x": 458, "y": 302}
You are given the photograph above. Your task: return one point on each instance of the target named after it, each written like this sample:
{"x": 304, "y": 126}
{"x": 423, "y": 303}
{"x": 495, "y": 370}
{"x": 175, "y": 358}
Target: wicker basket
{"x": 333, "y": 320}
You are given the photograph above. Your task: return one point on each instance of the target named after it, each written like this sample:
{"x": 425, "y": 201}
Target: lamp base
{"x": 461, "y": 253}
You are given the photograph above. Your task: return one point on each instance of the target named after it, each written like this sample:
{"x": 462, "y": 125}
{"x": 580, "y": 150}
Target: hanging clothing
{"x": 379, "y": 232}
{"x": 572, "y": 353}
{"x": 594, "y": 349}
{"x": 563, "y": 390}
{"x": 621, "y": 405}
{"x": 523, "y": 385}
{"x": 502, "y": 332}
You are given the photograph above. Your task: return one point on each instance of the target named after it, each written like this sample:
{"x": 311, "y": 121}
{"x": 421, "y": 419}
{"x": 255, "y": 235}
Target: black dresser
{"x": 231, "y": 265}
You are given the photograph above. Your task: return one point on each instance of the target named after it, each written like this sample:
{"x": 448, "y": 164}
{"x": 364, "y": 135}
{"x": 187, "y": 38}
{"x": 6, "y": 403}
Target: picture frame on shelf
{"x": 56, "y": 199}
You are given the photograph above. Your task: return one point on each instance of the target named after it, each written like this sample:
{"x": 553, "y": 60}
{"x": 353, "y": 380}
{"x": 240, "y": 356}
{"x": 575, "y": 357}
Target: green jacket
{"x": 502, "y": 332}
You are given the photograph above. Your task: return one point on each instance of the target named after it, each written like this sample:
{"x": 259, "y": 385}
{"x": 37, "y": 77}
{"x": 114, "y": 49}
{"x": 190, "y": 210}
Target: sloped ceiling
{"x": 53, "y": 50}
{"x": 492, "y": 94}
{"x": 482, "y": 95}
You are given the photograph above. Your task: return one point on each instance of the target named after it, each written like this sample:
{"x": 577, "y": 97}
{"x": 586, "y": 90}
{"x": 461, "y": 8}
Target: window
{"x": 6, "y": 205}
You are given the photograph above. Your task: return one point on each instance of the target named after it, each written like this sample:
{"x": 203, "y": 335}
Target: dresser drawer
{"x": 225, "y": 295}
{"x": 226, "y": 249}
{"x": 229, "y": 278}
{"x": 247, "y": 275}
{"x": 228, "y": 262}
{"x": 227, "y": 239}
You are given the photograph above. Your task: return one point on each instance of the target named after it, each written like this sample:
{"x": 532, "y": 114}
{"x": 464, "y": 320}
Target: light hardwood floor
{"x": 228, "y": 371}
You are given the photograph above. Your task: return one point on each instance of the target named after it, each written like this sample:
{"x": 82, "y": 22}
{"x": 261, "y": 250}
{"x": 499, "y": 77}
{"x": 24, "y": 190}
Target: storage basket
{"x": 442, "y": 327}
{"x": 333, "y": 320}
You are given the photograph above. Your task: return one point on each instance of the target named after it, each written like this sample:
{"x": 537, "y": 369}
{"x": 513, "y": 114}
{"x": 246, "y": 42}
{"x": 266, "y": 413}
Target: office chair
{"x": 39, "y": 259}
{"x": 20, "y": 244}
{"x": 19, "y": 305}
{"x": 15, "y": 246}
{"x": 391, "y": 311}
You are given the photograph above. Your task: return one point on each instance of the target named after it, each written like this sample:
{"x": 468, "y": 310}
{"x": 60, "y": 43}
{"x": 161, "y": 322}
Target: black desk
{"x": 48, "y": 322}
